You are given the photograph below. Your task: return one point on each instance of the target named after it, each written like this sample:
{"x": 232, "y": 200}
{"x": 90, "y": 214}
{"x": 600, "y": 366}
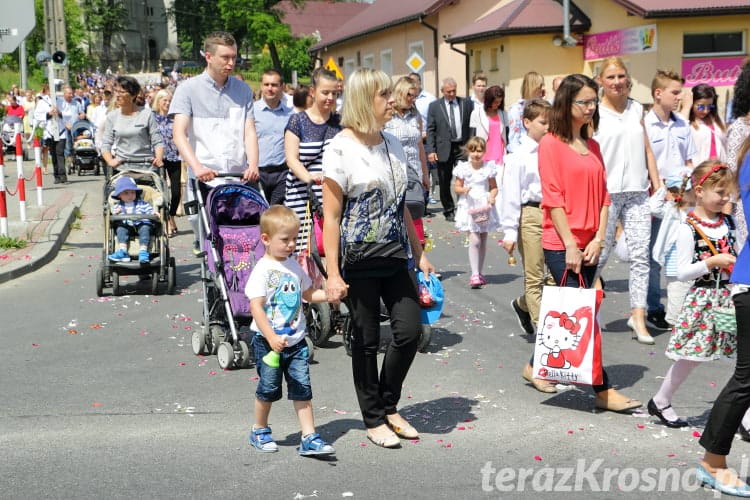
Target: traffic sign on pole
{"x": 415, "y": 62}
{"x": 18, "y": 20}
{"x": 332, "y": 66}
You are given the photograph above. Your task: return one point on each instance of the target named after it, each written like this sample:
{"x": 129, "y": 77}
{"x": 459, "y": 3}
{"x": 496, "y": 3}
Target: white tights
{"x": 676, "y": 375}
{"x": 477, "y": 251}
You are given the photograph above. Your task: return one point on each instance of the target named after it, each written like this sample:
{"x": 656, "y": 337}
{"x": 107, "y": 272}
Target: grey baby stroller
{"x": 11, "y": 125}
{"x": 85, "y": 155}
{"x": 161, "y": 266}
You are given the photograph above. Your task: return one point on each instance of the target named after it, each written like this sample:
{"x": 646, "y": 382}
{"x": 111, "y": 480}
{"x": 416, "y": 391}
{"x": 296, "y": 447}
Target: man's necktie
{"x": 452, "y": 118}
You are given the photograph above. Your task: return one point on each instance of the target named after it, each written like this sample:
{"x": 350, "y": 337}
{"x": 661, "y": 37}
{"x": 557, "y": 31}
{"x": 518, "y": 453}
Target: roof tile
{"x": 325, "y": 16}
{"x": 380, "y": 15}
{"x": 525, "y": 16}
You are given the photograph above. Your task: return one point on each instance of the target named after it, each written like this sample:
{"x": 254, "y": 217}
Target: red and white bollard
{"x": 19, "y": 167}
{"x": 3, "y": 206}
{"x": 38, "y": 171}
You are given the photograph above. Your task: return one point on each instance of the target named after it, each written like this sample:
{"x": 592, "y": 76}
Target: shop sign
{"x": 717, "y": 71}
{"x": 616, "y": 43}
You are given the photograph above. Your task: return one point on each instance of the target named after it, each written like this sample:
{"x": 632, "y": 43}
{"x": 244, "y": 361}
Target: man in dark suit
{"x": 447, "y": 132}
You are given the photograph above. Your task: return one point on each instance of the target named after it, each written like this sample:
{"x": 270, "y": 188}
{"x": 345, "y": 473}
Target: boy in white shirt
{"x": 674, "y": 149}
{"x": 521, "y": 221}
{"x": 275, "y": 289}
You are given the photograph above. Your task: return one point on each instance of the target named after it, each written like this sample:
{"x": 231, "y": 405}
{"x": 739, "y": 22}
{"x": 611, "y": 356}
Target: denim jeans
{"x": 293, "y": 366}
{"x": 556, "y": 263}
{"x": 125, "y": 231}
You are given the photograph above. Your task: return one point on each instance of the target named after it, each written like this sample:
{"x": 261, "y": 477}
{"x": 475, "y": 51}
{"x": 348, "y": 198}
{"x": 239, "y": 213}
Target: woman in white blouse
{"x": 631, "y": 169}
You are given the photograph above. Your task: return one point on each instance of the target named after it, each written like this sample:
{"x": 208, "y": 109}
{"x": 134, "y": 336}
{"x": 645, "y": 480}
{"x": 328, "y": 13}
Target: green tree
{"x": 106, "y": 17}
{"x": 259, "y": 22}
{"x": 194, "y": 20}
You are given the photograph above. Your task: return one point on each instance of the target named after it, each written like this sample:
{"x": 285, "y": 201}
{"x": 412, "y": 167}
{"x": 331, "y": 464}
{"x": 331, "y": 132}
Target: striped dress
{"x": 312, "y": 140}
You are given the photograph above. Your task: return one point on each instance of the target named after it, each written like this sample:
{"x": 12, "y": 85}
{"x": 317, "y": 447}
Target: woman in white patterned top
{"x": 406, "y": 125}
{"x": 363, "y": 204}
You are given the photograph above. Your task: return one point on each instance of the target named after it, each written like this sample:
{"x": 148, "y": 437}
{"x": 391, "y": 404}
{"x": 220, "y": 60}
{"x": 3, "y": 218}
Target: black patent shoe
{"x": 744, "y": 433}
{"x": 656, "y": 412}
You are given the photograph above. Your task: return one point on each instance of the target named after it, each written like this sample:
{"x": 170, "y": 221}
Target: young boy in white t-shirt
{"x": 275, "y": 289}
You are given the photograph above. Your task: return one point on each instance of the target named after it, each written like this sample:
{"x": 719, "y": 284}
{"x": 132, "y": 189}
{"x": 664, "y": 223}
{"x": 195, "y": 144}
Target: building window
{"x": 494, "y": 62}
{"x": 349, "y": 67}
{"x": 477, "y": 60}
{"x": 416, "y": 48}
{"x": 368, "y": 61}
{"x": 713, "y": 44}
{"x": 386, "y": 64}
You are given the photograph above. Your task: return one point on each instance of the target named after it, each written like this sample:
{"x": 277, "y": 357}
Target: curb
{"x": 53, "y": 235}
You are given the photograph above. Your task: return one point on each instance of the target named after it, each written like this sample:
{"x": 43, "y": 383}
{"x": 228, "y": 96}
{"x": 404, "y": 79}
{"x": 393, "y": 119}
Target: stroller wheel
{"x": 310, "y": 349}
{"x": 171, "y": 277}
{"x": 199, "y": 342}
{"x": 346, "y": 333}
{"x": 154, "y": 283}
{"x": 424, "y": 338}
{"x": 99, "y": 281}
{"x": 116, "y": 283}
{"x": 246, "y": 361}
{"x": 319, "y": 324}
{"x": 225, "y": 356}
{"x": 216, "y": 337}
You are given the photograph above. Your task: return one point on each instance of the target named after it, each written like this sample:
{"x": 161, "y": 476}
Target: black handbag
{"x": 362, "y": 256}
{"x": 414, "y": 197}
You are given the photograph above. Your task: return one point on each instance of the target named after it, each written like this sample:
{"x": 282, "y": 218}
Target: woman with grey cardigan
{"x": 131, "y": 134}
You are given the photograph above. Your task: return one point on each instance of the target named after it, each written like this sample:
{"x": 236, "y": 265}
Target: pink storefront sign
{"x": 619, "y": 42}
{"x": 717, "y": 72}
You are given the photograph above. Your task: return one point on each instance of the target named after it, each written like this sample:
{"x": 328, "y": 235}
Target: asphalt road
{"x": 103, "y": 398}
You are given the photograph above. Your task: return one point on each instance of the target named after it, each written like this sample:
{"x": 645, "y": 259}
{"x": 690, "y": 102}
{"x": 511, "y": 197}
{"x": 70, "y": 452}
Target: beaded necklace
{"x": 704, "y": 223}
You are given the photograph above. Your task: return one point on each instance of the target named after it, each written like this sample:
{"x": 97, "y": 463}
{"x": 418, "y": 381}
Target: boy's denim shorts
{"x": 293, "y": 365}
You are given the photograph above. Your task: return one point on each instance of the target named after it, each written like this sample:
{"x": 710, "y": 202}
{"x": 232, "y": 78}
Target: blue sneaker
{"x": 262, "y": 441}
{"x": 119, "y": 256}
{"x": 143, "y": 257}
{"x": 313, "y": 445}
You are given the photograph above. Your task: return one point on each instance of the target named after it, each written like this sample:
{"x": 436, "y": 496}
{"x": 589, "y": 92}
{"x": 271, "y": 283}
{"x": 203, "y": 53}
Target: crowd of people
{"x": 568, "y": 180}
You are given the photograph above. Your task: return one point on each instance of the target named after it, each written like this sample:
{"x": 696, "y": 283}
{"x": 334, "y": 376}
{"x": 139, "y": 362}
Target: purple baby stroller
{"x": 229, "y": 229}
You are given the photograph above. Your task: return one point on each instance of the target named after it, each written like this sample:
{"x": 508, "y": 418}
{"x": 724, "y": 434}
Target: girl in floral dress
{"x": 695, "y": 338}
{"x": 476, "y": 188}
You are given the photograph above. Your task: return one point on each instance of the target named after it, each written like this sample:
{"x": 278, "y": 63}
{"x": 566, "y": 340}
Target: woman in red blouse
{"x": 575, "y": 199}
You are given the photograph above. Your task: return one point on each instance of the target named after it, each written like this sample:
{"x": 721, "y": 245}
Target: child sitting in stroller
{"x": 84, "y": 139}
{"x": 129, "y": 202}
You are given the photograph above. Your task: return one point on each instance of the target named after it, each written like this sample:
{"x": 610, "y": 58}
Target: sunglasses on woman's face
{"x": 705, "y": 107}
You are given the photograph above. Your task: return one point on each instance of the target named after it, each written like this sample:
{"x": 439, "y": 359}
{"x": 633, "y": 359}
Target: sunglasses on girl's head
{"x": 705, "y": 107}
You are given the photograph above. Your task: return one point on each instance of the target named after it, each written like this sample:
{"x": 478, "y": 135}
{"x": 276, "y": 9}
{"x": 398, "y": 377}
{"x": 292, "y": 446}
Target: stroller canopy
{"x": 234, "y": 205}
{"x": 80, "y": 126}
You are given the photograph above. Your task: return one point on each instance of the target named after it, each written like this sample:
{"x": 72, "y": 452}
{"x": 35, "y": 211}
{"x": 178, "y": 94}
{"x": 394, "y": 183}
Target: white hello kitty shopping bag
{"x": 568, "y": 340}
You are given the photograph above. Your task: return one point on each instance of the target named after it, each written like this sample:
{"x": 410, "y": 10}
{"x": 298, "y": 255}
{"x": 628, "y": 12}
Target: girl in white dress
{"x": 476, "y": 188}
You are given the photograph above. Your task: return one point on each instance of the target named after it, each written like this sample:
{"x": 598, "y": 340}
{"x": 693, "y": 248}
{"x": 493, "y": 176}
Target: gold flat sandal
{"x": 390, "y": 441}
{"x": 407, "y": 432}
